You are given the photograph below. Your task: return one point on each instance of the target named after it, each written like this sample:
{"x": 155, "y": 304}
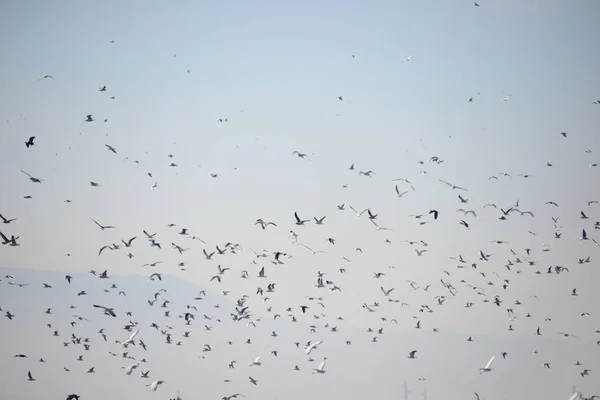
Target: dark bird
{"x": 30, "y": 142}
{"x": 102, "y": 226}
{"x": 7, "y": 221}
{"x": 31, "y": 178}
{"x": 300, "y": 221}
{"x": 107, "y": 310}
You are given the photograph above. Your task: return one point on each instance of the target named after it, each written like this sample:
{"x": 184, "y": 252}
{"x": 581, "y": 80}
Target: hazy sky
{"x": 276, "y": 72}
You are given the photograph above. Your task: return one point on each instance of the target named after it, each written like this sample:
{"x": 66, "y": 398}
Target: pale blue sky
{"x": 275, "y": 71}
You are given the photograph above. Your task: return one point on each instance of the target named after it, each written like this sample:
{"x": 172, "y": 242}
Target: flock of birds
{"x": 484, "y": 276}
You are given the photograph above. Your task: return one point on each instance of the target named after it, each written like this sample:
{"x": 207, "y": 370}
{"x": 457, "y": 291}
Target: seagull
{"x": 107, "y": 310}
{"x": 102, "y": 226}
{"x": 131, "y": 338}
{"x": 156, "y": 274}
{"x": 301, "y": 155}
{"x": 398, "y": 193}
{"x": 311, "y": 250}
{"x": 154, "y": 385}
{"x": 128, "y": 243}
{"x": 300, "y": 221}
{"x": 311, "y": 347}
{"x": 452, "y": 185}
{"x": 487, "y": 367}
{"x": 31, "y": 178}
{"x": 358, "y": 214}
{"x": 11, "y": 242}
{"x": 7, "y": 221}
{"x": 264, "y": 224}
{"x": 321, "y": 368}
{"x": 255, "y": 362}
{"x": 378, "y": 228}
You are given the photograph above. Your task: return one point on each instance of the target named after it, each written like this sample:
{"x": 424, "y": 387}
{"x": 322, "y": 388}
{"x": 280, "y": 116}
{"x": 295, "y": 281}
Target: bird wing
{"x": 489, "y": 364}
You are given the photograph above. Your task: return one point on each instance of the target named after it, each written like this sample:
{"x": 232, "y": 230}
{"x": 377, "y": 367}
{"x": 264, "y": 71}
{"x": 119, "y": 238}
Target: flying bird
{"x": 488, "y": 366}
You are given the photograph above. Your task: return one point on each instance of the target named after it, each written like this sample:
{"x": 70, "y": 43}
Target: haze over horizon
{"x": 206, "y": 117}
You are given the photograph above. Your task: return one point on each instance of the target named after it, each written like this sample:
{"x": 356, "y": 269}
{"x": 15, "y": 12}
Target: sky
{"x": 383, "y": 86}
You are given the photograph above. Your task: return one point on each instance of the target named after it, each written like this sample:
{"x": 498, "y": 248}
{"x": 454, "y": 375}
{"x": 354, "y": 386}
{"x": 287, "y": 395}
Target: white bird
{"x": 311, "y": 347}
{"x": 154, "y": 385}
{"x": 256, "y": 361}
{"x": 129, "y": 369}
{"x": 487, "y": 367}
{"x": 321, "y": 368}
{"x": 130, "y": 340}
